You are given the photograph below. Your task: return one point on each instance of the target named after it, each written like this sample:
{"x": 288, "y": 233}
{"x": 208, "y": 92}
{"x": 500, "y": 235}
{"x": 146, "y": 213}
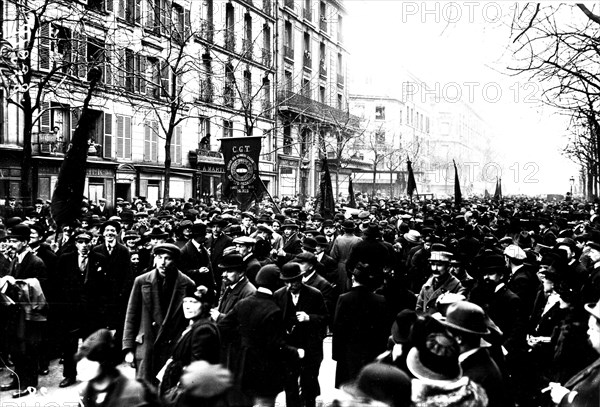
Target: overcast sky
{"x": 465, "y": 46}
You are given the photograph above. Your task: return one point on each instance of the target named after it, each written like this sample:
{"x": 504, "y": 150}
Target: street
{"x": 50, "y": 395}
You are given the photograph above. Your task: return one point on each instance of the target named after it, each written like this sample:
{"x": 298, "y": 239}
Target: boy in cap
{"x": 440, "y": 282}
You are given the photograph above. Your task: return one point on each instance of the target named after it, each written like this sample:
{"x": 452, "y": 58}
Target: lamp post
{"x": 572, "y": 182}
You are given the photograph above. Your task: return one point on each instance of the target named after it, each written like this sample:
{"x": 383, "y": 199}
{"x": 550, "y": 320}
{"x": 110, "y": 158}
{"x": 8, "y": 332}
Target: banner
{"x": 411, "y": 186}
{"x": 352, "y": 198}
{"x": 498, "y": 191}
{"x": 457, "y": 192}
{"x": 241, "y": 183}
{"x": 325, "y": 200}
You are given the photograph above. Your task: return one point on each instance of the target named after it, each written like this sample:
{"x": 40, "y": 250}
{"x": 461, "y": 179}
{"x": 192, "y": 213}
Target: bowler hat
{"x": 305, "y": 257}
{"x": 167, "y": 248}
{"x": 381, "y": 382}
{"x": 265, "y": 228}
{"x": 492, "y": 264}
{"x": 268, "y": 276}
{"x": 290, "y": 271}
{"x": 328, "y": 223}
{"x": 372, "y": 230}
{"x": 467, "y": 317}
{"x": 232, "y": 261}
{"x": 198, "y": 230}
{"x": 218, "y": 221}
{"x": 348, "y": 225}
{"x": 157, "y": 233}
{"x": 321, "y": 241}
{"x": 20, "y": 232}
{"x": 309, "y": 244}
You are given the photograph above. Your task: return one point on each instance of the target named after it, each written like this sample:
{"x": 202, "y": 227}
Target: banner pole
{"x": 269, "y": 195}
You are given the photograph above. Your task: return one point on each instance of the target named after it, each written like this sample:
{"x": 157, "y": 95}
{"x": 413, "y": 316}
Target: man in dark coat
{"x": 370, "y": 250}
{"x": 216, "y": 243}
{"x": 308, "y": 264}
{"x": 195, "y": 260}
{"x": 582, "y": 389}
{"x": 326, "y": 266}
{"x": 25, "y": 332}
{"x": 81, "y": 282}
{"x": 154, "y": 319}
{"x": 523, "y": 280}
{"x": 118, "y": 275}
{"x": 245, "y": 247}
{"x": 466, "y": 323}
{"x": 236, "y": 285}
{"x": 305, "y": 319}
{"x": 340, "y": 252}
{"x": 256, "y": 322}
{"x": 361, "y": 325}
{"x": 292, "y": 245}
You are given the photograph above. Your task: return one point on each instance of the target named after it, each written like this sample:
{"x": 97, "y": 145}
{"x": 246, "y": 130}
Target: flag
{"x": 486, "y": 194}
{"x": 498, "y": 192}
{"x": 457, "y": 193}
{"x": 325, "y": 200}
{"x": 411, "y": 186}
{"x": 241, "y": 183}
{"x": 352, "y": 203}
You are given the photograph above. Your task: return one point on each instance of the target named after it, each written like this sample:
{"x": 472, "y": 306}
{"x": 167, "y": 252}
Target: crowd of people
{"x": 428, "y": 303}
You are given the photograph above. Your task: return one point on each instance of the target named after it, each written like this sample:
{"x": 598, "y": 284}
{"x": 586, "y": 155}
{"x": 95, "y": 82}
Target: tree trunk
{"x": 167, "y": 185}
{"x": 391, "y": 184}
{"x": 374, "y": 175}
{"x": 26, "y": 161}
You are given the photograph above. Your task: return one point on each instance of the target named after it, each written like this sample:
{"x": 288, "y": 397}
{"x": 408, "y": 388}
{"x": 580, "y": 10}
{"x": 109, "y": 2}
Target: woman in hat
{"x": 438, "y": 376}
{"x": 106, "y": 385}
{"x": 199, "y": 341}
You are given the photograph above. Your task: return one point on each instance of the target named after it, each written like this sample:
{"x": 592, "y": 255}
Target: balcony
{"x": 323, "y": 24}
{"x": 322, "y": 70}
{"x": 247, "y": 49}
{"x": 50, "y": 144}
{"x": 305, "y": 106}
{"x": 307, "y": 14}
{"x": 229, "y": 41}
{"x": 266, "y": 57}
{"x": 288, "y": 52}
{"x": 289, "y": 4}
{"x": 307, "y": 60}
{"x": 340, "y": 79}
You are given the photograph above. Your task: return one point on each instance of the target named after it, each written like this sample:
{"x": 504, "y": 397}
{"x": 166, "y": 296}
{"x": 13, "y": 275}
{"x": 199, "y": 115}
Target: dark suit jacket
{"x": 306, "y": 335}
{"x": 252, "y": 266}
{"x": 327, "y": 268}
{"x": 361, "y": 328}
{"x": 525, "y": 283}
{"x": 327, "y": 290}
{"x": 586, "y": 383}
{"x": 217, "y": 246}
{"x": 482, "y": 369}
{"x": 243, "y": 289}
{"x": 192, "y": 260}
{"x": 120, "y": 279}
{"x": 81, "y": 305}
{"x": 291, "y": 246}
{"x": 148, "y": 332}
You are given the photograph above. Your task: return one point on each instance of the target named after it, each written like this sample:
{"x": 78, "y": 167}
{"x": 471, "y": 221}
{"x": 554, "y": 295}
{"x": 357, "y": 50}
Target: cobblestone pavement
{"x": 48, "y": 393}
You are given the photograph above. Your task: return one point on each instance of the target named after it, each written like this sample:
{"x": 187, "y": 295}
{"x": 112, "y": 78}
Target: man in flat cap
{"x": 523, "y": 281}
{"x": 154, "y": 319}
{"x": 440, "y": 282}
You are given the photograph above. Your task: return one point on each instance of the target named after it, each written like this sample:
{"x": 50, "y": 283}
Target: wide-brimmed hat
{"x": 372, "y": 230}
{"x": 130, "y": 235}
{"x": 321, "y": 241}
{"x": 593, "y": 309}
{"x": 413, "y": 236}
{"x": 309, "y": 244}
{"x": 348, "y": 225}
{"x": 157, "y": 233}
{"x": 466, "y": 317}
{"x": 218, "y": 221}
{"x": 492, "y": 264}
{"x": 232, "y": 261}
{"x": 290, "y": 271}
{"x": 244, "y": 240}
{"x": 168, "y": 248}
{"x": 435, "y": 359}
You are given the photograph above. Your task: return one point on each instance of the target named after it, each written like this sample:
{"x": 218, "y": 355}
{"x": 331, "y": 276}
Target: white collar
{"x": 264, "y": 290}
{"x": 308, "y": 277}
{"x": 21, "y": 256}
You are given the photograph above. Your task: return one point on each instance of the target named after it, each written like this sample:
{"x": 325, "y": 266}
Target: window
{"x": 248, "y": 41}
{"x": 427, "y": 125}
{"x": 322, "y": 94}
{"x": 176, "y": 145}
{"x": 379, "y": 112}
{"x": 287, "y": 138}
{"x": 204, "y": 133}
{"x": 123, "y": 139}
{"x": 266, "y": 52}
{"x": 288, "y": 38}
{"x": 247, "y": 88}
{"x": 153, "y": 77}
{"x": 229, "y": 27}
{"x": 306, "y": 91}
{"x": 266, "y": 145}
{"x": 130, "y": 10}
{"x": 206, "y": 86}
{"x": 266, "y": 88}
{"x": 151, "y": 140}
{"x": 289, "y": 82}
{"x": 340, "y": 28}
{"x": 154, "y": 16}
{"x": 340, "y": 101}
{"x": 60, "y": 48}
{"x": 380, "y": 137}
{"x": 229, "y": 89}
{"x": 227, "y": 128}
{"x": 180, "y": 23}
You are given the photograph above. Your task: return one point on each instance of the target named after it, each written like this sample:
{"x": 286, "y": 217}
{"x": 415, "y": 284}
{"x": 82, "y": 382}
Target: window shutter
{"x": 138, "y": 11}
{"x": 144, "y": 187}
{"x": 140, "y": 73}
{"x": 187, "y": 25}
{"x": 120, "y": 136}
{"x": 108, "y": 61}
{"x": 154, "y": 139}
{"x": 75, "y": 113}
{"x": 110, "y": 5}
{"x": 147, "y": 138}
{"x": 121, "y": 70}
{"x": 165, "y": 74}
{"x": 178, "y": 132}
{"x": 81, "y": 45}
{"x": 127, "y": 138}
{"x": 45, "y": 118}
{"x": 167, "y": 9}
{"x": 107, "y": 146}
{"x": 44, "y": 46}
{"x": 121, "y": 10}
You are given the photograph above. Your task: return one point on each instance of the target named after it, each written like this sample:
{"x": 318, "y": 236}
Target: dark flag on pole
{"x": 498, "y": 192}
{"x": 486, "y": 194}
{"x": 457, "y": 193}
{"x": 352, "y": 203}
{"x": 325, "y": 200}
{"x": 412, "y": 184}
{"x": 241, "y": 183}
